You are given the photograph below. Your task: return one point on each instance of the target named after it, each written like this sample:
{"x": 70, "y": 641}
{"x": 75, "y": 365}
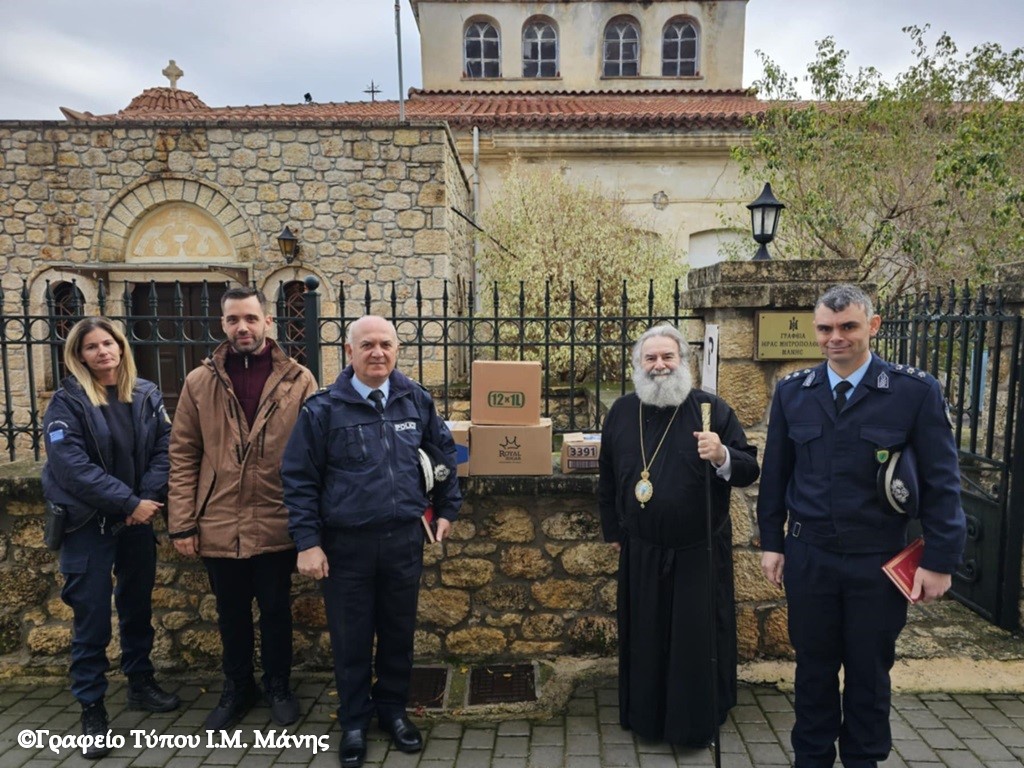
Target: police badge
{"x": 433, "y": 468}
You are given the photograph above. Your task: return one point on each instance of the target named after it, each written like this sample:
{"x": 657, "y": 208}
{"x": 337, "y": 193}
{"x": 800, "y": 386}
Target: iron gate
{"x": 973, "y": 347}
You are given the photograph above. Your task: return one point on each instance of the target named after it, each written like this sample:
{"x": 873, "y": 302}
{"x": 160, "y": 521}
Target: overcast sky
{"x": 96, "y": 55}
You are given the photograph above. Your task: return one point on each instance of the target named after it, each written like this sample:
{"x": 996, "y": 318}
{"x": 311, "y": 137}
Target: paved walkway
{"x": 930, "y": 730}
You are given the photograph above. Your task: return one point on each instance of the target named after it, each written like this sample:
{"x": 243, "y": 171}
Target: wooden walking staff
{"x": 705, "y": 417}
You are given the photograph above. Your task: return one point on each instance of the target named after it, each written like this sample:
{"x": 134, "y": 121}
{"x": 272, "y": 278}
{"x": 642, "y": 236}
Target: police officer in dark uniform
{"x": 355, "y": 492}
{"x": 832, "y": 430}
{"x": 106, "y": 467}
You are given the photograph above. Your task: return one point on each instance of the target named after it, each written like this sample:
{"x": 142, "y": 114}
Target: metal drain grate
{"x": 427, "y": 687}
{"x": 502, "y": 684}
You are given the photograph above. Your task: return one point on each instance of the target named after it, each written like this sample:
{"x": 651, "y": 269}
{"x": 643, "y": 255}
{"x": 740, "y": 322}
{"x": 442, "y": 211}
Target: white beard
{"x": 665, "y": 391}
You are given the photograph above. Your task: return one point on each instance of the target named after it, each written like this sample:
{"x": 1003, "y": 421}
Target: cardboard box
{"x": 460, "y": 433}
{"x": 510, "y": 449}
{"x": 505, "y": 392}
{"x": 580, "y": 452}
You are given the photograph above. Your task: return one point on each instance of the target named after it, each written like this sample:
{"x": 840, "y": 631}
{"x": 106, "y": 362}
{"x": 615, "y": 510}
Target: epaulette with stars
{"x": 806, "y": 375}
{"x": 912, "y": 372}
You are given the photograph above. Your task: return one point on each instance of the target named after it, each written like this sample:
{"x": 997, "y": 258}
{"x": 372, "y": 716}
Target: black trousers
{"x": 371, "y": 591}
{"x": 843, "y": 612}
{"x": 88, "y": 557}
{"x": 268, "y": 579}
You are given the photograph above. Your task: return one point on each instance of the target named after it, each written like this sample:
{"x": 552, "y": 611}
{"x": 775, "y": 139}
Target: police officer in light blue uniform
{"x": 833, "y": 429}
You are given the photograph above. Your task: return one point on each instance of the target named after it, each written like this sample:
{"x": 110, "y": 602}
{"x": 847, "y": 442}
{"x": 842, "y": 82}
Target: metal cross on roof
{"x": 373, "y": 90}
{"x": 173, "y": 73}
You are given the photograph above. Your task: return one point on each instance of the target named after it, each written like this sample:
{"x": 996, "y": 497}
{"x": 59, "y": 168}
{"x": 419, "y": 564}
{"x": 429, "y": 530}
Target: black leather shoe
{"x": 284, "y": 707}
{"x": 352, "y": 751}
{"x": 94, "y": 724}
{"x": 404, "y": 735}
{"x": 236, "y": 700}
{"x": 145, "y": 694}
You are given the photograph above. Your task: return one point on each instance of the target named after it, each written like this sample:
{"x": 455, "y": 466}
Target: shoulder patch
{"x": 806, "y": 376}
{"x": 911, "y": 372}
{"x": 56, "y": 431}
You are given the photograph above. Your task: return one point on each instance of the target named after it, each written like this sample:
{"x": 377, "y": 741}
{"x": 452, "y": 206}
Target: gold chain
{"x": 644, "y": 488}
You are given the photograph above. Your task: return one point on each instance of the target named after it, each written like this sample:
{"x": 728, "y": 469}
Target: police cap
{"x": 898, "y": 487}
{"x": 434, "y": 467}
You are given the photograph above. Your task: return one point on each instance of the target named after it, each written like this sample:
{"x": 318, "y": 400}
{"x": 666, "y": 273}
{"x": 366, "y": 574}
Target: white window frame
{"x": 675, "y": 66}
{"x": 481, "y": 32}
{"x": 533, "y": 32}
{"x": 619, "y": 27}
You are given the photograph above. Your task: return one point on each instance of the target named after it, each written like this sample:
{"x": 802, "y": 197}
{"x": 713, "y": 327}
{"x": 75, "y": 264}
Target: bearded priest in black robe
{"x": 654, "y": 510}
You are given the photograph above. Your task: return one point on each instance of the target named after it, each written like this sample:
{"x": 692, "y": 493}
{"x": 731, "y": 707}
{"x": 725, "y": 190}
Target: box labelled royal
{"x": 580, "y": 452}
{"x": 510, "y": 449}
{"x": 505, "y": 392}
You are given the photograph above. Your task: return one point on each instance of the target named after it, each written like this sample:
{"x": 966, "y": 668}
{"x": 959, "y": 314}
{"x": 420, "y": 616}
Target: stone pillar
{"x": 728, "y": 294}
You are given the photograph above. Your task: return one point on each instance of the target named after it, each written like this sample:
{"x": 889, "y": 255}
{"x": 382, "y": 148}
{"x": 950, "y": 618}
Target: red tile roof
{"x": 686, "y": 110}
{"x": 163, "y": 100}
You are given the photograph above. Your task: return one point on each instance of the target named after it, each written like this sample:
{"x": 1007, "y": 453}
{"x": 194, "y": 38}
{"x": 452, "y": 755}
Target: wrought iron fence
{"x": 972, "y": 345}
{"x": 582, "y": 340}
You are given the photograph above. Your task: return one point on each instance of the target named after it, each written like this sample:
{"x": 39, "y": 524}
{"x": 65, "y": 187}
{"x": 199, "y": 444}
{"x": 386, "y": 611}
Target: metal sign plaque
{"x": 783, "y": 335}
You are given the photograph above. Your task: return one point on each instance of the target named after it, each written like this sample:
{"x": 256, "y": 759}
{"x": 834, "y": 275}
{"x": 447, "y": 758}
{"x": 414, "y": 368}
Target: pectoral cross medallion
{"x": 644, "y": 489}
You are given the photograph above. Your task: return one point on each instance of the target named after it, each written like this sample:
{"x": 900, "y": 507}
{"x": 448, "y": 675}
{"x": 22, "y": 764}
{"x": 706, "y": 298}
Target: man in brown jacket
{"x": 231, "y": 425}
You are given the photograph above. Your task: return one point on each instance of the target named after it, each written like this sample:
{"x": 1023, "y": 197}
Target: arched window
{"x": 291, "y": 328}
{"x": 622, "y": 48}
{"x": 540, "y": 49}
{"x": 482, "y": 50}
{"x": 679, "y": 49}
{"x": 66, "y": 306}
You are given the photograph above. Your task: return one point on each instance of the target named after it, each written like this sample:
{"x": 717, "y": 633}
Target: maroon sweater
{"x": 249, "y": 373}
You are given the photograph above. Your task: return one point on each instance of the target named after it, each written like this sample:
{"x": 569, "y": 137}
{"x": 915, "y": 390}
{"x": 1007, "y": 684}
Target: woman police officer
{"x": 106, "y": 446}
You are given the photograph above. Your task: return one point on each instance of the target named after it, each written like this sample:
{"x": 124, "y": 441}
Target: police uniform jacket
{"x": 80, "y": 454}
{"x": 347, "y": 466}
{"x": 821, "y": 468}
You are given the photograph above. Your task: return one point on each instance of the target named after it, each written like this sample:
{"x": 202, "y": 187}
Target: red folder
{"x": 903, "y": 566}
{"x": 429, "y": 522}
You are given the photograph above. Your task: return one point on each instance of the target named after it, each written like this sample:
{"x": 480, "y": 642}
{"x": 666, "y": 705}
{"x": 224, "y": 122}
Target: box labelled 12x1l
{"x": 505, "y": 392}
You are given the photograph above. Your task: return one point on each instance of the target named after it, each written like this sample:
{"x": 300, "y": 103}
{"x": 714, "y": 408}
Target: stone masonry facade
{"x": 524, "y": 576}
{"x": 370, "y": 203}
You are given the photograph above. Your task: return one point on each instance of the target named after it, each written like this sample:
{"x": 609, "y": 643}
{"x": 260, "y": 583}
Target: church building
{"x": 144, "y": 210}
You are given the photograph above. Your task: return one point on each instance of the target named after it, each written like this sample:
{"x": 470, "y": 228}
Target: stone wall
{"x": 134, "y": 202}
{"x": 525, "y": 575}
{"x": 369, "y": 202}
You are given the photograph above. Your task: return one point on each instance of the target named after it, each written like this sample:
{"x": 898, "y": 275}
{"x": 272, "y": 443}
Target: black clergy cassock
{"x": 664, "y": 643}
